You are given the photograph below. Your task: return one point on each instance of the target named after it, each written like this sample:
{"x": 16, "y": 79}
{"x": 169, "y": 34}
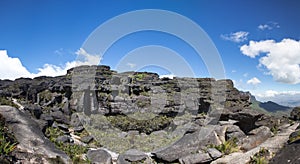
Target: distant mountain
{"x": 273, "y": 107}
{"x": 269, "y": 107}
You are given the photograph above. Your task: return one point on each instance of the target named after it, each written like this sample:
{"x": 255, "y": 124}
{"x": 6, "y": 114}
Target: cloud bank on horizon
{"x": 12, "y": 68}
{"x": 287, "y": 98}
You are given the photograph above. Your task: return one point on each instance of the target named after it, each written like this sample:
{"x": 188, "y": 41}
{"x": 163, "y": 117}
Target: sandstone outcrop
{"x": 186, "y": 120}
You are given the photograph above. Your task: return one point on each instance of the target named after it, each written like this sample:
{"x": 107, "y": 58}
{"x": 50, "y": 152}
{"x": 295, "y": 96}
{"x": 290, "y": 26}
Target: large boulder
{"x": 188, "y": 144}
{"x": 256, "y": 137}
{"x": 35, "y": 110}
{"x": 295, "y": 114}
{"x": 133, "y": 156}
{"x": 99, "y": 156}
{"x": 288, "y": 154}
{"x": 200, "y": 157}
{"x": 31, "y": 139}
{"x": 295, "y": 136}
{"x": 246, "y": 118}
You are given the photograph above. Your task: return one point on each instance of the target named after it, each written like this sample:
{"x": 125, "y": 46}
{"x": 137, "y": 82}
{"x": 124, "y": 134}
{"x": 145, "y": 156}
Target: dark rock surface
{"x": 295, "y": 114}
{"x": 30, "y": 137}
{"x": 188, "y": 144}
{"x": 288, "y": 154}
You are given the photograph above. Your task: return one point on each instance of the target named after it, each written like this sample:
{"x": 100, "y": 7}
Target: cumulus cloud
{"x": 12, "y": 68}
{"x": 281, "y": 59}
{"x": 268, "y": 26}
{"x": 237, "y": 37}
{"x": 254, "y": 81}
{"x": 287, "y": 98}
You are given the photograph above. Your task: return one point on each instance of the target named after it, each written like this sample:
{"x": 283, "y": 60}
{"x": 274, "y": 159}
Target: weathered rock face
{"x": 99, "y": 156}
{"x": 133, "y": 156}
{"x": 201, "y": 138}
{"x": 97, "y": 89}
{"x": 31, "y": 139}
{"x": 190, "y": 107}
{"x": 256, "y": 137}
{"x": 295, "y": 114}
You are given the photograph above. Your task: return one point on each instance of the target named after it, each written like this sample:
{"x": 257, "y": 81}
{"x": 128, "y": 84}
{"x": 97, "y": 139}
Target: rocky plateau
{"x": 96, "y": 115}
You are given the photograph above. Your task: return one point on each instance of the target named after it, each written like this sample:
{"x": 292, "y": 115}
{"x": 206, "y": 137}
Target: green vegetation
{"x": 7, "y": 141}
{"x": 255, "y": 106}
{"x": 72, "y": 150}
{"x": 5, "y": 101}
{"x": 261, "y": 157}
{"x": 228, "y": 147}
{"x": 107, "y": 134}
{"x": 140, "y": 76}
{"x": 53, "y": 133}
{"x": 294, "y": 136}
{"x": 45, "y": 96}
{"x": 274, "y": 129}
{"x": 147, "y": 126}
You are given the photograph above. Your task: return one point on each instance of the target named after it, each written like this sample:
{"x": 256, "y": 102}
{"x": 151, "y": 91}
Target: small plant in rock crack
{"x": 7, "y": 141}
{"x": 274, "y": 129}
{"x": 228, "y": 147}
{"x": 260, "y": 157}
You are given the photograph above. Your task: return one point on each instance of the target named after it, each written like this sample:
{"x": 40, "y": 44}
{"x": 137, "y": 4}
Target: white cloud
{"x": 85, "y": 58}
{"x": 288, "y": 98}
{"x": 171, "y": 76}
{"x": 282, "y": 58}
{"x": 245, "y": 74}
{"x": 12, "y": 68}
{"x": 237, "y": 37}
{"x": 254, "y": 81}
{"x": 268, "y": 26}
{"x": 131, "y": 65}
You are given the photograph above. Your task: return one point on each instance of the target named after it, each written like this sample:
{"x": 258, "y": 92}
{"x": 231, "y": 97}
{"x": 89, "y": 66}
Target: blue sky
{"x": 258, "y": 41}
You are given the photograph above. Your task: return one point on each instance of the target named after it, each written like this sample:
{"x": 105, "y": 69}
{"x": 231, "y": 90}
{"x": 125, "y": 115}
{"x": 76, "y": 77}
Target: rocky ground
{"x": 96, "y": 115}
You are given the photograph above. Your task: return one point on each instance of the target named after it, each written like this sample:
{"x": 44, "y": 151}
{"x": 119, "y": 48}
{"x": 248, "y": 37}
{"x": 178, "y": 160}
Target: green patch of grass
{"x": 147, "y": 126}
{"x": 5, "y": 101}
{"x": 139, "y": 76}
{"x": 72, "y": 150}
{"x": 274, "y": 129}
{"x": 113, "y": 138}
{"x": 228, "y": 147}
{"x": 53, "y": 133}
{"x": 294, "y": 137}
{"x": 261, "y": 157}
{"x": 7, "y": 141}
